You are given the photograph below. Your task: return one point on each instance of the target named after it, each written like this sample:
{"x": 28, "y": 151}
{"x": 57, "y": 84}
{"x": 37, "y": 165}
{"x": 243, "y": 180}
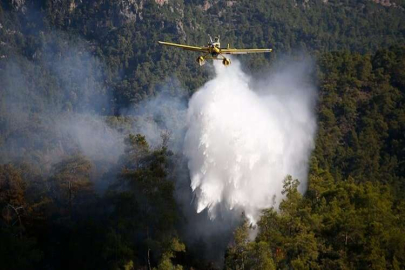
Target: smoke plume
{"x": 53, "y": 106}
{"x": 244, "y": 137}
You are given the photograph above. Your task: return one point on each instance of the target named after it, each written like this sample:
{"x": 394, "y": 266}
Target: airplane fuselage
{"x": 214, "y": 49}
{"x": 215, "y": 53}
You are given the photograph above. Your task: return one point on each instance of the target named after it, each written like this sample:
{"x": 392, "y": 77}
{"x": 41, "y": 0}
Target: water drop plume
{"x": 244, "y": 136}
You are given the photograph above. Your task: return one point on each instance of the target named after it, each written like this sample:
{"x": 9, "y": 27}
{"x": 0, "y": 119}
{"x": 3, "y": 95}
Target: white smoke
{"x": 244, "y": 137}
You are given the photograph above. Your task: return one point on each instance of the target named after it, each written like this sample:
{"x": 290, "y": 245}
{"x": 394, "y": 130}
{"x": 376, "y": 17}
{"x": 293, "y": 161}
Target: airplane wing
{"x": 185, "y": 47}
{"x": 244, "y": 51}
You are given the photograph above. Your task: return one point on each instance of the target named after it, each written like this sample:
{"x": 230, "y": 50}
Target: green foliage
{"x": 70, "y": 184}
{"x": 124, "y": 35}
{"x": 351, "y": 215}
{"x": 101, "y": 57}
{"x": 243, "y": 254}
{"x": 17, "y": 250}
{"x": 12, "y": 186}
{"x": 345, "y": 225}
{"x": 357, "y": 109}
{"x": 145, "y": 208}
{"x": 165, "y": 262}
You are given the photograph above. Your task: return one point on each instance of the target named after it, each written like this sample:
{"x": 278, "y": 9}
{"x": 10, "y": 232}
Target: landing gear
{"x": 201, "y": 60}
{"x": 226, "y": 62}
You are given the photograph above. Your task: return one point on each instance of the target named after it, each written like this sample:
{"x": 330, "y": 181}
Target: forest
{"x": 85, "y": 185}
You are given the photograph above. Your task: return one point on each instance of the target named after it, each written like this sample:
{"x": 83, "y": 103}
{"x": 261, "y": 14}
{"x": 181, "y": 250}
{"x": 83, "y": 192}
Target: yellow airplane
{"x": 214, "y": 51}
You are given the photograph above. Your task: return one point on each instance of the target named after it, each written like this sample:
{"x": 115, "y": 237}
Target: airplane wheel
{"x": 226, "y": 62}
{"x": 201, "y": 61}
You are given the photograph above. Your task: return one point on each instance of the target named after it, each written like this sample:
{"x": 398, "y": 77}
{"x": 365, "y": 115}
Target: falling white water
{"x": 245, "y": 137}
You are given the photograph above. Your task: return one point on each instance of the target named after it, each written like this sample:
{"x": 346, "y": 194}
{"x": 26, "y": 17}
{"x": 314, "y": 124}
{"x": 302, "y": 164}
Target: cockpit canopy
{"x": 216, "y": 42}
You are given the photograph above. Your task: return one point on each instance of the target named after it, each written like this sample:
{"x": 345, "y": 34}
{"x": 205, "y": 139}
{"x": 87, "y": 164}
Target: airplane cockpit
{"x": 215, "y": 43}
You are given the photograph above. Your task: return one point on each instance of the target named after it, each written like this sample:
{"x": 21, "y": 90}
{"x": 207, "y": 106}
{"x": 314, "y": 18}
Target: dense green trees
{"x": 351, "y": 216}
{"x": 124, "y": 35}
{"x": 246, "y": 254}
{"x": 52, "y": 221}
{"x": 59, "y": 58}
{"x": 336, "y": 225}
{"x": 144, "y": 207}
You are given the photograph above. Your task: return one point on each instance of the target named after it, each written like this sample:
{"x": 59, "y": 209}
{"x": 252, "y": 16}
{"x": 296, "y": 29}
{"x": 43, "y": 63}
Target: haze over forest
{"x": 119, "y": 153}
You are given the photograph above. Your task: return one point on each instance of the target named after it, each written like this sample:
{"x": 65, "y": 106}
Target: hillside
{"x": 87, "y": 183}
{"x": 124, "y": 34}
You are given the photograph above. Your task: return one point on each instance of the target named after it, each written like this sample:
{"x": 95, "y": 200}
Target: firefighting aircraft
{"x": 214, "y": 51}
